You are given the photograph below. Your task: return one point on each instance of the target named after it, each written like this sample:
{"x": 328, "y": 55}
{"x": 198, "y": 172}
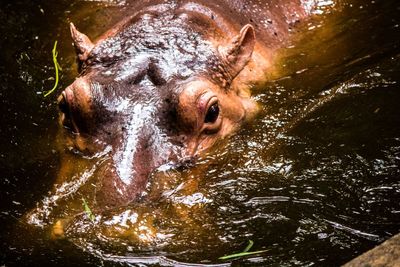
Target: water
{"x": 315, "y": 179}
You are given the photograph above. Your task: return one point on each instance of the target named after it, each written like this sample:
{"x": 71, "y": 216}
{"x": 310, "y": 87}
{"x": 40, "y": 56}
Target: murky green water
{"x": 315, "y": 180}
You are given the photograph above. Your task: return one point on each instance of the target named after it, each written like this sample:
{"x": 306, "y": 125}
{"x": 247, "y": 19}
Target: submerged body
{"x": 159, "y": 89}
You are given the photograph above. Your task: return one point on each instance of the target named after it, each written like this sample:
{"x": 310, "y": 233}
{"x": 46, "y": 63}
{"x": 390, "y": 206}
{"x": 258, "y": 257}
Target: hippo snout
{"x": 134, "y": 156}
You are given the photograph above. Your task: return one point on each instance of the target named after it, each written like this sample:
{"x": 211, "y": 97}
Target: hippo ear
{"x": 82, "y": 43}
{"x": 238, "y": 52}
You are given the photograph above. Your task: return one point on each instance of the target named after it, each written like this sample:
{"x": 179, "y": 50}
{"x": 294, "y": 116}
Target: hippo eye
{"x": 212, "y": 113}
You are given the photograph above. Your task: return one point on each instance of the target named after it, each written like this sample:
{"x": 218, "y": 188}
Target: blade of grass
{"x": 249, "y": 246}
{"x": 241, "y": 254}
{"x": 56, "y": 67}
{"x": 88, "y": 211}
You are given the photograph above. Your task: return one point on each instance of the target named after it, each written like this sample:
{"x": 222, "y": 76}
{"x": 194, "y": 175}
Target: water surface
{"x": 315, "y": 179}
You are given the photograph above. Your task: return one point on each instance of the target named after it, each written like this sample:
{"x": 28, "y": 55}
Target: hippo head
{"x": 154, "y": 90}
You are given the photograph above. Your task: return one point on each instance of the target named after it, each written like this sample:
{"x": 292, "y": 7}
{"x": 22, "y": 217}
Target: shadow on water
{"x": 315, "y": 179}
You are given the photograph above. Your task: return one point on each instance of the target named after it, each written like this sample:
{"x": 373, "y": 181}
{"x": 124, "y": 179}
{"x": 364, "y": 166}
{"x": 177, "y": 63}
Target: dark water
{"x": 315, "y": 180}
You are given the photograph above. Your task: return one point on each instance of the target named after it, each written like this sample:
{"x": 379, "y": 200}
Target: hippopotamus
{"x": 167, "y": 83}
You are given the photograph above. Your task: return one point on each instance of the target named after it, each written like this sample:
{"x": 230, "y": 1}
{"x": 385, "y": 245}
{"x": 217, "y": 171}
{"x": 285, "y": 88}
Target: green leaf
{"x": 88, "y": 211}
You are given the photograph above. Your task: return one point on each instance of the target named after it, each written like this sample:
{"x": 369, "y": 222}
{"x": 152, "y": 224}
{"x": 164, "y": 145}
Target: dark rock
{"x": 386, "y": 254}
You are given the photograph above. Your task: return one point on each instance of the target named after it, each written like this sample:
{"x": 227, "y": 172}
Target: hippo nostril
{"x": 62, "y": 103}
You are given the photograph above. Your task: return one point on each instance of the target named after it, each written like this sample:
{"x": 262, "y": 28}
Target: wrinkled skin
{"x": 164, "y": 85}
